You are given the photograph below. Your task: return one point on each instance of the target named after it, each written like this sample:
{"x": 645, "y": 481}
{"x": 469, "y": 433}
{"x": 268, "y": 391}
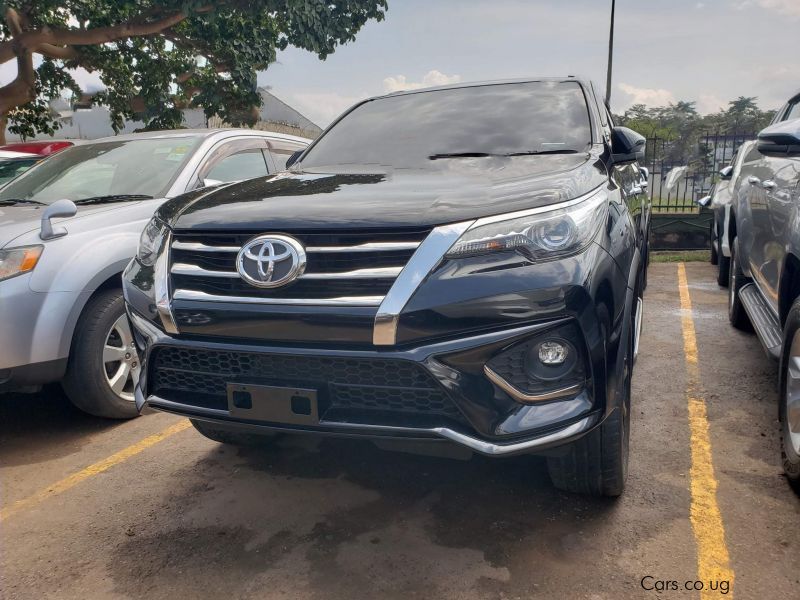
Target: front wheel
{"x": 789, "y": 411}
{"x": 103, "y": 366}
{"x": 597, "y": 463}
{"x": 714, "y": 237}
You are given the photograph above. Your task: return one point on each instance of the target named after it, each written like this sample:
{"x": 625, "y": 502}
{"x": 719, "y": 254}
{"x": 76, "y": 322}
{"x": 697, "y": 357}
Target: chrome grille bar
{"x": 345, "y": 301}
{"x": 368, "y": 247}
{"x": 198, "y": 247}
{"x": 377, "y": 273}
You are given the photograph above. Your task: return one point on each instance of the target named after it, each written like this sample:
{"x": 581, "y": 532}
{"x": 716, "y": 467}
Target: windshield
{"x": 141, "y": 167}
{"x": 421, "y": 129}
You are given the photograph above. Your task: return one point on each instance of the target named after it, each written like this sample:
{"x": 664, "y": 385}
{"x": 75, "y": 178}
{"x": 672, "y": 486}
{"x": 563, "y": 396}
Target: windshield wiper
{"x": 485, "y": 154}
{"x": 113, "y": 198}
{"x": 15, "y": 201}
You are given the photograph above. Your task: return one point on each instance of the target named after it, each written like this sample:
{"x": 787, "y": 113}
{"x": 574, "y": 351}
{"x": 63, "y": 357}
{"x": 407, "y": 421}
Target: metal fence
{"x": 683, "y": 171}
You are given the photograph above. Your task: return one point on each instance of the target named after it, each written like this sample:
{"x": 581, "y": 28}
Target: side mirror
{"x": 626, "y": 145}
{"x": 211, "y": 182}
{"x": 704, "y": 201}
{"x": 782, "y": 138}
{"x": 726, "y": 173}
{"x": 645, "y": 183}
{"x": 59, "y": 208}
{"x": 293, "y": 158}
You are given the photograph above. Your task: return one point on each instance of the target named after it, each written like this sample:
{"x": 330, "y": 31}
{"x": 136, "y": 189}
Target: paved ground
{"x": 183, "y": 517}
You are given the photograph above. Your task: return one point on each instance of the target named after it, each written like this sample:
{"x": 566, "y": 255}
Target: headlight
{"x": 16, "y": 261}
{"x": 539, "y": 233}
{"x": 150, "y": 242}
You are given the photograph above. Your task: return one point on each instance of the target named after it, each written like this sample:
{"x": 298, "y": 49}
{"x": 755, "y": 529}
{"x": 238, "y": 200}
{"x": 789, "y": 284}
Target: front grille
{"x": 367, "y": 386}
{"x": 355, "y": 268}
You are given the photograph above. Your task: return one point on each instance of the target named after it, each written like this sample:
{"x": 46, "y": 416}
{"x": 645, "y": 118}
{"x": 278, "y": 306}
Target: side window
{"x": 280, "y": 154}
{"x": 242, "y": 165}
{"x": 793, "y": 112}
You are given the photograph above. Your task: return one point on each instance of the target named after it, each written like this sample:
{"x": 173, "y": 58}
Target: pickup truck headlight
{"x": 542, "y": 233}
{"x": 16, "y": 261}
{"x": 150, "y": 241}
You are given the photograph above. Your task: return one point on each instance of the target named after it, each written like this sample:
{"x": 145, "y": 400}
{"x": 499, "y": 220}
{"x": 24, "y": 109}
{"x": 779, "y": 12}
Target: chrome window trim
{"x": 525, "y": 398}
{"x": 341, "y": 301}
{"x": 428, "y": 255}
{"x": 161, "y": 286}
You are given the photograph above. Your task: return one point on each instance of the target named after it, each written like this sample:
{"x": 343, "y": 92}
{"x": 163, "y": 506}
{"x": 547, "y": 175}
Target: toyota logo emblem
{"x": 270, "y": 261}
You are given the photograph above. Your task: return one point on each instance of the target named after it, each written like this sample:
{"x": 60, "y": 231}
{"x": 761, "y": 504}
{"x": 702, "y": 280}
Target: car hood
{"x": 16, "y": 221}
{"x": 366, "y": 197}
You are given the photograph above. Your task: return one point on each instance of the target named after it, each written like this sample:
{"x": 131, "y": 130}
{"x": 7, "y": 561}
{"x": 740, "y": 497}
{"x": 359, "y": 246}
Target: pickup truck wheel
{"x": 790, "y": 398}
{"x": 103, "y": 365}
{"x": 226, "y": 435}
{"x": 597, "y": 463}
{"x": 736, "y": 280}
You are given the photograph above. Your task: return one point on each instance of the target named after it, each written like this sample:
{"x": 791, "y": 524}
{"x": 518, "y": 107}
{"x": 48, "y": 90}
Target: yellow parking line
{"x": 713, "y": 563}
{"x": 98, "y": 467}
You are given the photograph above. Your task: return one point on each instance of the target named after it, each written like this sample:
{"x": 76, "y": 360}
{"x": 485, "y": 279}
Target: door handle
{"x": 768, "y": 185}
{"x": 753, "y": 180}
{"x": 635, "y": 190}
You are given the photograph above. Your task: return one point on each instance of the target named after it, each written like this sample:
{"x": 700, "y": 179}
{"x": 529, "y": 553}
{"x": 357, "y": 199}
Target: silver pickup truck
{"x": 68, "y": 228}
{"x": 764, "y": 278}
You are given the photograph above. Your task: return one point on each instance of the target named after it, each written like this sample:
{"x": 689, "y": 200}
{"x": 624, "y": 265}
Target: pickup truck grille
{"x": 351, "y": 268}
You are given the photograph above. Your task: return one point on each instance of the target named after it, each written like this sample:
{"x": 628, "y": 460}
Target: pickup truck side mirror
{"x": 645, "y": 172}
{"x": 59, "y": 208}
{"x": 726, "y": 173}
{"x": 293, "y": 158}
{"x": 781, "y": 138}
{"x": 626, "y": 145}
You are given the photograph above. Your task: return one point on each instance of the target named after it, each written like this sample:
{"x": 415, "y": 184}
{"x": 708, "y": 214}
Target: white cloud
{"x": 322, "y": 107}
{"x": 647, "y": 96}
{"x": 431, "y": 78}
{"x": 709, "y": 104}
{"x": 789, "y": 8}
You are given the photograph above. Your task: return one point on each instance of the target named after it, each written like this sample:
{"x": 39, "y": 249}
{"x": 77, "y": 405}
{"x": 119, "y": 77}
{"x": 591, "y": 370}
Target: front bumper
{"x": 490, "y": 421}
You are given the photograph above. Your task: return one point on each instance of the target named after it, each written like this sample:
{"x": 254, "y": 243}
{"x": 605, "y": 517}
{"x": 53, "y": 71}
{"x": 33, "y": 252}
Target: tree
{"x": 157, "y": 56}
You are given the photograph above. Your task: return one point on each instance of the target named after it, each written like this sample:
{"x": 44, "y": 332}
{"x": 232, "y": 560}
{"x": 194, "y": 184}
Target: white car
{"x": 61, "y": 308}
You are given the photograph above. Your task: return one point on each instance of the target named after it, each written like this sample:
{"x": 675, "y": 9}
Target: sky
{"x": 708, "y": 52}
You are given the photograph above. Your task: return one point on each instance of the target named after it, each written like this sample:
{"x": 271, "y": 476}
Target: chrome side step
{"x": 637, "y": 322}
{"x": 763, "y": 319}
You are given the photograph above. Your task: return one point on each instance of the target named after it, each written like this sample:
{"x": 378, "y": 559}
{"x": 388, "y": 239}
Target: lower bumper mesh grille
{"x": 200, "y": 377}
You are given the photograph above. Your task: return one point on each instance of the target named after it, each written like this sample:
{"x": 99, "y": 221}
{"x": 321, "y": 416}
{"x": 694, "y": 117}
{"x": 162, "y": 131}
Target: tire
{"x": 714, "y": 237}
{"x": 230, "y": 436}
{"x": 103, "y": 355}
{"x": 790, "y": 392}
{"x": 736, "y": 280}
{"x": 597, "y": 463}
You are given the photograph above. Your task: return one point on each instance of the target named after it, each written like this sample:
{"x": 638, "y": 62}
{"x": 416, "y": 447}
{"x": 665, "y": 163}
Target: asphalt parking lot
{"x": 149, "y": 508}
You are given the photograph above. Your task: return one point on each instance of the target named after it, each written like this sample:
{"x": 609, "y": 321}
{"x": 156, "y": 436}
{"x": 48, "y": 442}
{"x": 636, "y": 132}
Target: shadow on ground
{"x": 43, "y": 426}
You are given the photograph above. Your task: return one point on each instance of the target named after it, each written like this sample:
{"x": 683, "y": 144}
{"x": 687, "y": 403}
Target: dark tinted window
{"x": 407, "y": 130}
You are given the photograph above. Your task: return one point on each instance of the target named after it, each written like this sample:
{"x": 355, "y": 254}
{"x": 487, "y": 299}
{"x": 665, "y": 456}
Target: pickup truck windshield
{"x": 425, "y": 129}
{"x": 143, "y": 167}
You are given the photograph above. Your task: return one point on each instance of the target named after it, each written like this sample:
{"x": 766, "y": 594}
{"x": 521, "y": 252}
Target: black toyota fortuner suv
{"x": 451, "y": 268}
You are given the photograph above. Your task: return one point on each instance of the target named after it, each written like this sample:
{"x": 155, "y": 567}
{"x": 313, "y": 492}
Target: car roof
{"x": 202, "y": 133}
{"x": 467, "y": 84}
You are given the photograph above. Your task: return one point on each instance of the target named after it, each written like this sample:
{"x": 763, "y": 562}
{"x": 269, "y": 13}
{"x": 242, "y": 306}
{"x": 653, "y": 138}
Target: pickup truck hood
{"x": 361, "y": 197}
{"x": 16, "y": 221}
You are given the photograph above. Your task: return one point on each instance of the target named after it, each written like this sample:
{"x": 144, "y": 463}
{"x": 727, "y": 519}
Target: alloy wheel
{"x": 120, "y": 360}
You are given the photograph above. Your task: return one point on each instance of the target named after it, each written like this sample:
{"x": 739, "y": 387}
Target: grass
{"x": 681, "y": 256}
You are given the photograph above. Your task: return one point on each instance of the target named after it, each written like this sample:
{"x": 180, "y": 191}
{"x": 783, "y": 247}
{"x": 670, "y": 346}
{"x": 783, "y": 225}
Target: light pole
{"x": 610, "y": 54}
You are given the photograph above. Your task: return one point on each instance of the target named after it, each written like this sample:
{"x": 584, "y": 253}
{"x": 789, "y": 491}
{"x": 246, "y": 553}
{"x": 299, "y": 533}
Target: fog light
{"x": 553, "y": 353}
